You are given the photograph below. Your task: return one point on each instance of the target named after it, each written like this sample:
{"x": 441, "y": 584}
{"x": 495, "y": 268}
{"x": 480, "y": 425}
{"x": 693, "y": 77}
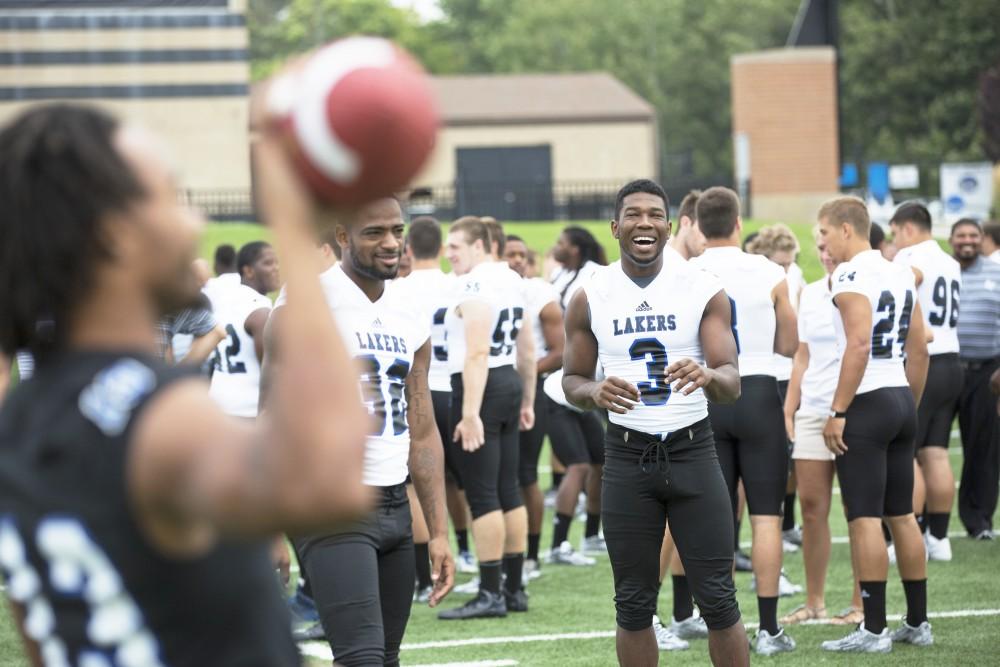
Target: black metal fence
{"x": 568, "y": 200}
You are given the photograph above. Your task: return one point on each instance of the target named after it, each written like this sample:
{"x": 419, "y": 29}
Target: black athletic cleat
{"x": 742, "y": 562}
{"x": 517, "y": 601}
{"x": 484, "y": 605}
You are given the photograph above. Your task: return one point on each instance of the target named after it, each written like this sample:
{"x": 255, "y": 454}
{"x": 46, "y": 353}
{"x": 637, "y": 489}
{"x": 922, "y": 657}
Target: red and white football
{"x": 359, "y": 116}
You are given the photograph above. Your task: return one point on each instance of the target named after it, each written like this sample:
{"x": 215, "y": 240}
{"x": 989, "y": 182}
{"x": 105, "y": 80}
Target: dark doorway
{"x": 509, "y": 183}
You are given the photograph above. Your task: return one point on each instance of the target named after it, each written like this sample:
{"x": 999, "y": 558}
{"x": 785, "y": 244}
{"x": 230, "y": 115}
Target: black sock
{"x": 659, "y": 586}
{"x": 873, "y": 601}
{"x": 937, "y": 523}
{"x": 593, "y": 524}
{"x": 788, "y": 522}
{"x": 921, "y": 522}
{"x": 423, "y": 565}
{"x": 683, "y": 605}
{"x": 739, "y": 522}
{"x": 916, "y": 602}
{"x": 533, "y": 540}
{"x": 887, "y": 534}
{"x": 462, "y": 537}
{"x": 561, "y": 531}
{"x": 557, "y": 478}
{"x": 513, "y": 565}
{"x": 767, "y": 609}
{"x": 489, "y": 576}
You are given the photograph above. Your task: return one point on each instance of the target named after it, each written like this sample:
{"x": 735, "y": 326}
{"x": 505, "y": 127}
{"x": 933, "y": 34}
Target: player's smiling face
{"x": 375, "y": 240}
{"x": 642, "y": 227}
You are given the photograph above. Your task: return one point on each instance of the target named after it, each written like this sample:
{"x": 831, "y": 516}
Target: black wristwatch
{"x": 837, "y": 414}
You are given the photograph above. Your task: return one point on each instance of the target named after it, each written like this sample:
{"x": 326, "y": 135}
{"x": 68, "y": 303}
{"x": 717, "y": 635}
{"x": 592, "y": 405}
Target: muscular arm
{"x": 917, "y": 359}
{"x": 202, "y": 346}
{"x": 793, "y": 397}
{"x": 5, "y": 364}
{"x": 786, "y": 331}
{"x": 580, "y": 354}
{"x": 426, "y": 451}
{"x": 856, "y": 313}
{"x": 719, "y": 347}
{"x": 194, "y": 473}
{"x": 551, "y": 318}
{"x": 254, "y": 326}
{"x": 475, "y": 368}
{"x": 525, "y": 350}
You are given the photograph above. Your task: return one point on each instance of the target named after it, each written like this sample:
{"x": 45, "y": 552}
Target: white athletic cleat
{"x": 861, "y": 641}
{"x": 918, "y": 636}
{"x": 565, "y": 555}
{"x": 785, "y": 586}
{"x": 594, "y": 546}
{"x": 937, "y": 549}
{"x": 530, "y": 571}
{"x": 690, "y": 628}
{"x": 891, "y": 551}
{"x": 767, "y": 644}
{"x": 470, "y": 587}
{"x": 465, "y": 563}
{"x": 666, "y": 640}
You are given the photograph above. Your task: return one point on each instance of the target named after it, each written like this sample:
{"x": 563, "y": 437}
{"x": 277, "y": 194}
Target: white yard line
{"x": 322, "y": 650}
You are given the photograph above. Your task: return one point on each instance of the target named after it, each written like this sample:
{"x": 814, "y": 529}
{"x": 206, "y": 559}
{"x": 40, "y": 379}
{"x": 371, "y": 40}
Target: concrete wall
{"x": 183, "y": 72}
{"x": 785, "y": 103}
{"x": 580, "y": 152}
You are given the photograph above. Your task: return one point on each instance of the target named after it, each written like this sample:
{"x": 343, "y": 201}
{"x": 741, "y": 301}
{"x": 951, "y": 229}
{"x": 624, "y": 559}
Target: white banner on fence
{"x": 966, "y": 190}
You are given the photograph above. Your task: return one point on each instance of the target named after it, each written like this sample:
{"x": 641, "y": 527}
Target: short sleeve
{"x": 848, "y": 278}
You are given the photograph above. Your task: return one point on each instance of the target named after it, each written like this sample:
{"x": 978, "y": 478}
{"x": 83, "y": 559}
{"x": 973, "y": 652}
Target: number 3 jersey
{"x": 938, "y": 292}
{"x": 382, "y": 336}
{"x": 236, "y": 369}
{"x": 505, "y": 292}
{"x": 891, "y": 291}
{"x": 73, "y": 555}
{"x": 642, "y": 330}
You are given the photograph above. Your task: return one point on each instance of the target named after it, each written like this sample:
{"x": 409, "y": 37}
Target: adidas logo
{"x": 644, "y": 307}
{"x": 377, "y": 322}
{"x": 864, "y": 594}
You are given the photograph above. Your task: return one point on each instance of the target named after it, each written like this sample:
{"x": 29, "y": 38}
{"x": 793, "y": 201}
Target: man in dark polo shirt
{"x": 979, "y": 342}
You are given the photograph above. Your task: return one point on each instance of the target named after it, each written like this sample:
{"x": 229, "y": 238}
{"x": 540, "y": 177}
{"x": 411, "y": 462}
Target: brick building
{"x": 786, "y": 131}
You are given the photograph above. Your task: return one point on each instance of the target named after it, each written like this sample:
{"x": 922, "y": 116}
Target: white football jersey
{"x": 539, "y": 294}
{"x": 431, "y": 292}
{"x": 938, "y": 293}
{"x": 891, "y": 290}
{"x": 500, "y": 288}
{"x": 816, "y": 331}
{"x": 641, "y": 330}
{"x": 382, "y": 337}
{"x": 781, "y": 366}
{"x": 567, "y": 282}
{"x": 236, "y": 371}
{"x": 748, "y": 281}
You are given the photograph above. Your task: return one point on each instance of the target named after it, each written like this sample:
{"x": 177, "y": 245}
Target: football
{"x": 359, "y": 118}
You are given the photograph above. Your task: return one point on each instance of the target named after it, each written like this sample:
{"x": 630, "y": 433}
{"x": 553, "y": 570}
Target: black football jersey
{"x": 93, "y": 588}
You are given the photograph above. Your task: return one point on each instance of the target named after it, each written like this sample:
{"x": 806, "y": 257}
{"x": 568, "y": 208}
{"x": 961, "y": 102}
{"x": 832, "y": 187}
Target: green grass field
{"x": 571, "y": 621}
{"x": 539, "y": 235}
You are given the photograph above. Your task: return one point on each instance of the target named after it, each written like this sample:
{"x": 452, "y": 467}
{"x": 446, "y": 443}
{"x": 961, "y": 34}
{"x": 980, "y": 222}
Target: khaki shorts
{"x": 809, "y": 443}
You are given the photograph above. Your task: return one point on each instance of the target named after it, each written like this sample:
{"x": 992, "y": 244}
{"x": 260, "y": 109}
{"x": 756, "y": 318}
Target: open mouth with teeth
{"x": 644, "y": 241}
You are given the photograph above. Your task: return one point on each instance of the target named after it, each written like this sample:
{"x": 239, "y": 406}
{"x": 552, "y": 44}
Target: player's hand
{"x": 790, "y": 425}
{"x": 470, "y": 433}
{"x": 688, "y": 374}
{"x": 615, "y": 395}
{"x": 281, "y": 558}
{"x": 527, "y": 421}
{"x": 442, "y": 569}
{"x": 833, "y": 435}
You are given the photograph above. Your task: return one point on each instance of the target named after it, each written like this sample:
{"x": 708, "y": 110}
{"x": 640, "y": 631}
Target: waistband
{"x": 638, "y": 439}
{"x": 390, "y": 494}
{"x": 978, "y": 364}
{"x": 945, "y": 356}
